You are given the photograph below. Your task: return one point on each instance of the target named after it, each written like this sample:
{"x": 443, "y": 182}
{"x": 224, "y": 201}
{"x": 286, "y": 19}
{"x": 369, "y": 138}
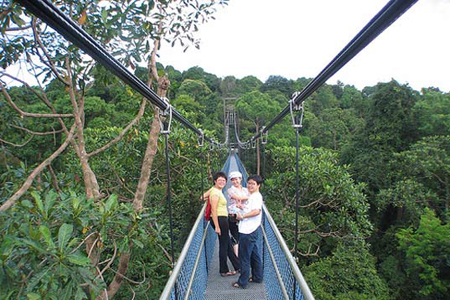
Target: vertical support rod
{"x": 205, "y": 224}
{"x": 169, "y": 203}
{"x": 297, "y": 193}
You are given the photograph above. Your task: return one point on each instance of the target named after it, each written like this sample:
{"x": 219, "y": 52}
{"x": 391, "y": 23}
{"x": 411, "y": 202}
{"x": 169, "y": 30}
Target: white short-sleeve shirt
{"x": 248, "y": 225}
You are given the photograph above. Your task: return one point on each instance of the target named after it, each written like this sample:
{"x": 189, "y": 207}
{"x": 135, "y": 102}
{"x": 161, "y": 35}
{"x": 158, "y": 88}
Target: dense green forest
{"x": 82, "y": 167}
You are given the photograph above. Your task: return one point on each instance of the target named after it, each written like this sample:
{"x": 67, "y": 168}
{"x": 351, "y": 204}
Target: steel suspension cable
{"x": 50, "y": 14}
{"x": 382, "y": 20}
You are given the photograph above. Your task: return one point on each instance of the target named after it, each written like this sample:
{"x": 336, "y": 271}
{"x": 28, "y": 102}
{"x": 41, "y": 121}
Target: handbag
{"x": 208, "y": 209}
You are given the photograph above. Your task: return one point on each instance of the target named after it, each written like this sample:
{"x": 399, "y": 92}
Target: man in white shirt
{"x": 250, "y": 231}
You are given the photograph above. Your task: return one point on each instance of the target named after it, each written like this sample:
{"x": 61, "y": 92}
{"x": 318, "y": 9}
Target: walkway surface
{"x": 219, "y": 288}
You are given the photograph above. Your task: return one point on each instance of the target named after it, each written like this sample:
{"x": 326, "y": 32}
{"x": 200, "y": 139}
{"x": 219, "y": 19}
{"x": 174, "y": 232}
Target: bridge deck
{"x": 219, "y": 288}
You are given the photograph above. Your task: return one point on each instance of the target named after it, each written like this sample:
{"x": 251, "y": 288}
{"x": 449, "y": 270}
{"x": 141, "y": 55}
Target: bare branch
{"x": 18, "y": 28}
{"x": 84, "y": 241}
{"x": 40, "y": 96}
{"x": 16, "y": 145}
{"x": 54, "y": 179}
{"x": 309, "y": 251}
{"x": 123, "y": 132}
{"x": 10, "y": 202}
{"x": 111, "y": 260}
{"x": 128, "y": 279}
{"x": 37, "y": 133}
{"x": 26, "y": 114}
{"x": 169, "y": 257}
{"x": 49, "y": 62}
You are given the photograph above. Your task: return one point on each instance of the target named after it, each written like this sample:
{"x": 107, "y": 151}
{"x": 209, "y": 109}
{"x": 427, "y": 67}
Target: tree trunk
{"x": 90, "y": 180}
{"x": 118, "y": 278}
{"x": 150, "y": 152}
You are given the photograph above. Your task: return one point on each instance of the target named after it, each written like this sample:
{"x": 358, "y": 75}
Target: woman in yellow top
{"x": 219, "y": 213}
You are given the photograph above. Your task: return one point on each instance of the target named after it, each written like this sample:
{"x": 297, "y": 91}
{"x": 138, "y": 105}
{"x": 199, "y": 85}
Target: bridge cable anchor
{"x": 264, "y": 135}
{"x": 201, "y": 138}
{"x": 297, "y": 120}
{"x": 167, "y": 113}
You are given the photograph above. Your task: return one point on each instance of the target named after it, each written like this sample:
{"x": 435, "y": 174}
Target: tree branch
{"x": 10, "y": 202}
{"x": 18, "y": 28}
{"x": 26, "y": 114}
{"x": 123, "y": 132}
{"x": 49, "y": 62}
{"x": 37, "y": 133}
{"x": 16, "y": 145}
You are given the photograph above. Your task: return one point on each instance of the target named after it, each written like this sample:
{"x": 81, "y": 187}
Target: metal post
{"x": 169, "y": 202}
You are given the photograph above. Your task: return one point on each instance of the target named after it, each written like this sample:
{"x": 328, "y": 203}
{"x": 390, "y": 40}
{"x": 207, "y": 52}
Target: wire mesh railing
{"x": 282, "y": 277}
{"x": 190, "y": 275}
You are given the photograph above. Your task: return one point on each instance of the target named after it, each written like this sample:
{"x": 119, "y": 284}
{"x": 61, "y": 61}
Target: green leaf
{"x": 39, "y": 204}
{"x": 33, "y": 296}
{"x": 27, "y": 204}
{"x": 79, "y": 259}
{"x": 50, "y": 200}
{"x": 64, "y": 234}
{"x": 138, "y": 243}
{"x": 6, "y": 246}
{"x": 45, "y": 231}
{"x": 112, "y": 203}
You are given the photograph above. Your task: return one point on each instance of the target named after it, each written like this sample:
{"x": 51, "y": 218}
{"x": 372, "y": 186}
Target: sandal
{"x": 252, "y": 280}
{"x": 237, "y": 285}
{"x": 229, "y": 273}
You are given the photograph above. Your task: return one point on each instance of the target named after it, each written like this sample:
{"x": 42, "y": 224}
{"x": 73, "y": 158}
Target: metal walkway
{"x": 219, "y": 288}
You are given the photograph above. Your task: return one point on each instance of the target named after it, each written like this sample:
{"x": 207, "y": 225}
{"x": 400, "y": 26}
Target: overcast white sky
{"x": 298, "y": 38}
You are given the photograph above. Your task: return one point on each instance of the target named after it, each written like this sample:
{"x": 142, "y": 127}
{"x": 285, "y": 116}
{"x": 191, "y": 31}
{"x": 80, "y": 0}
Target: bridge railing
{"x": 190, "y": 275}
{"x": 282, "y": 277}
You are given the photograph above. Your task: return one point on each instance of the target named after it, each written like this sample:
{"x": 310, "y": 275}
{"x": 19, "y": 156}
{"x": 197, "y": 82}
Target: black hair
{"x": 218, "y": 175}
{"x": 258, "y": 179}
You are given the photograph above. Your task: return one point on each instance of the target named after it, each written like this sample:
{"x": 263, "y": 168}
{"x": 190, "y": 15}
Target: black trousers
{"x": 225, "y": 247}
{"x": 234, "y": 230}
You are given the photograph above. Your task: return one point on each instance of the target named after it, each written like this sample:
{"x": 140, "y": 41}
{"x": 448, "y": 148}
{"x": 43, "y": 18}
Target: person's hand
{"x": 239, "y": 216}
{"x": 217, "y": 230}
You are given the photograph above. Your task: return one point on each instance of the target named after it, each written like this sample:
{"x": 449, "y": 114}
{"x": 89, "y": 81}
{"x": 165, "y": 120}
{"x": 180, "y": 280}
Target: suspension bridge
{"x": 195, "y": 274}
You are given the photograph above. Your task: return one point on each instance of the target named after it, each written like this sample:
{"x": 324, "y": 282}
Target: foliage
{"x": 349, "y": 273}
{"x": 408, "y": 199}
{"x": 43, "y": 241}
{"x": 331, "y": 205}
{"x": 428, "y": 162}
{"x": 427, "y": 256}
{"x": 433, "y": 112}
{"x": 333, "y": 128}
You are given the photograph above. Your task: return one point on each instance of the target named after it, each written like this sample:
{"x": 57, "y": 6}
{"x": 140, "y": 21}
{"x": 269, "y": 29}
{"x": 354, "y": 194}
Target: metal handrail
{"x": 274, "y": 262}
{"x": 197, "y": 260}
{"x": 295, "y": 269}
{"x": 176, "y": 271}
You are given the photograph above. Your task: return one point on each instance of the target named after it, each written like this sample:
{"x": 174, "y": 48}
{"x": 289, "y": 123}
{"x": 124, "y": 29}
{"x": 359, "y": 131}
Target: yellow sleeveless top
{"x": 222, "y": 205}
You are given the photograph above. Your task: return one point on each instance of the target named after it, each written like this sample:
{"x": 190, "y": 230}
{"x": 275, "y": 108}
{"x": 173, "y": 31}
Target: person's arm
{"x": 214, "y": 204}
{"x": 250, "y": 214}
{"x": 240, "y": 198}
